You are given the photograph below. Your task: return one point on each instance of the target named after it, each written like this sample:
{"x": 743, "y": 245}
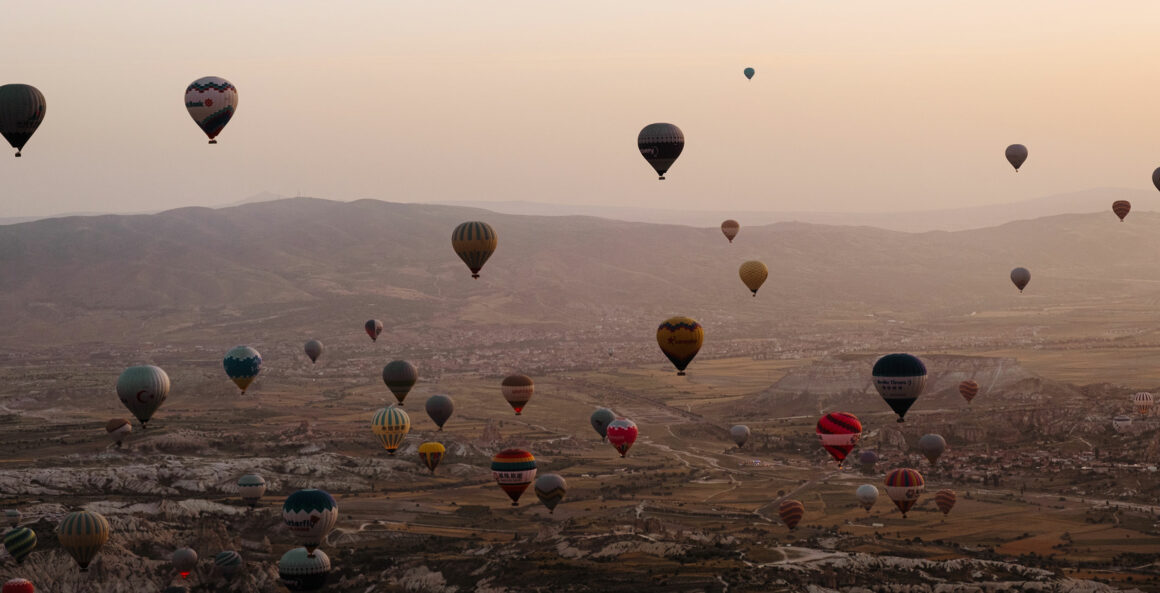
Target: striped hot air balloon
{"x": 899, "y": 379}
{"x": 1143, "y": 402}
{"x": 753, "y": 274}
{"x": 517, "y": 390}
{"x": 904, "y": 486}
{"x": 252, "y": 488}
{"x": 242, "y": 364}
{"x": 730, "y": 228}
{"x": 400, "y": 376}
{"x": 791, "y": 512}
{"x": 474, "y": 242}
{"x": 228, "y": 563}
{"x": 680, "y": 338}
{"x": 622, "y": 433}
{"x": 514, "y": 470}
{"x": 550, "y": 489}
{"x": 82, "y": 534}
{"x": 19, "y": 541}
{"x": 945, "y": 500}
{"x": 310, "y": 514}
{"x": 968, "y": 389}
{"x": 1121, "y": 208}
{"x": 432, "y": 453}
{"x": 391, "y": 425}
{"x": 839, "y": 433}
{"x": 142, "y": 389}
{"x": 18, "y": 586}
{"x": 211, "y": 102}
{"x": 301, "y": 569}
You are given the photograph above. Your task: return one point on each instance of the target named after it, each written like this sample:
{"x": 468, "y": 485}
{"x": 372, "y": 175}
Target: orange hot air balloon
{"x": 730, "y": 228}
{"x": 1121, "y": 208}
{"x": 945, "y": 500}
{"x": 791, "y": 512}
{"x": 968, "y": 389}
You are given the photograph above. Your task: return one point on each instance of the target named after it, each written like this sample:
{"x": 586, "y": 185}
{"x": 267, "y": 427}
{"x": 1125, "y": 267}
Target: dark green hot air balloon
{"x": 600, "y": 420}
{"x": 899, "y": 379}
{"x": 19, "y": 542}
{"x": 21, "y": 111}
{"x": 749, "y": 72}
{"x": 400, "y": 376}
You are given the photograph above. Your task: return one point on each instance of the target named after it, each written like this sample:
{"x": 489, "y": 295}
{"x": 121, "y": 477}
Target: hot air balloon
{"x": 252, "y": 488}
{"x": 143, "y": 389}
{"x": 1121, "y": 423}
{"x": 211, "y": 102}
{"x": 899, "y": 379}
{"x": 19, "y": 541}
{"x": 82, "y": 534}
{"x": 374, "y": 328}
{"x": 622, "y": 434}
{"x": 1016, "y": 154}
{"x": 474, "y": 242}
{"x": 791, "y": 512}
{"x": 228, "y": 563}
{"x": 118, "y": 430}
{"x": 242, "y": 365}
{"x": 400, "y": 376}
{"x": 945, "y": 500}
{"x": 391, "y": 425}
{"x": 932, "y": 446}
{"x": 1121, "y": 208}
{"x": 680, "y": 339}
{"x": 301, "y": 569}
{"x": 867, "y": 495}
{"x": 730, "y": 228}
{"x": 22, "y": 109}
{"x": 514, "y": 470}
{"x": 968, "y": 389}
{"x": 904, "y": 486}
{"x": 432, "y": 453}
{"x": 517, "y": 390}
{"x": 749, "y": 72}
{"x": 740, "y": 434}
{"x": 868, "y": 459}
{"x": 1143, "y": 402}
{"x": 310, "y": 514}
{"x": 184, "y": 561}
{"x": 839, "y": 433}
{"x": 1156, "y": 178}
{"x": 18, "y": 586}
{"x": 12, "y": 516}
{"x": 600, "y": 420}
{"x": 660, "y": 145}
{"x": 440, "y": 408}
{"x": 1020, "y": 276}
{"x": 313, "y": 349}
{"x": 753, "y": 274}
{"x": 550, "y": 489}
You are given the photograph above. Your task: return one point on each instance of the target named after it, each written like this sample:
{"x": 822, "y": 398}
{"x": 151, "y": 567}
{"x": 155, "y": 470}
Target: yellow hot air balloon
{"x": 432, "y": 453}
{"x": 680, "y": 339}
{"x": 82, "y": 534}
{"x": 391, "y": 425}
{"x": 753, "y": 274}
{"x": 474, "y": 242}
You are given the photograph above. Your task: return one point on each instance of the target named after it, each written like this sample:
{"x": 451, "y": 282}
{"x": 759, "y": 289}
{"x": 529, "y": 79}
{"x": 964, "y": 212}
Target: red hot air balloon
{"x": 622, "y": 434}
{"x": 18, "y": 586}
{"x": 945, "y": 500}
{"x": 839, "y": 433}
{"x": 1121, "y": 208}
{"x": 968, "y": 389}
{"x": 791, "y": 512}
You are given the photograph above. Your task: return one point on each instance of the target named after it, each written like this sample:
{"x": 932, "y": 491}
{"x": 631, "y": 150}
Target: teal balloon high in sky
{"x": 749, "y": 72}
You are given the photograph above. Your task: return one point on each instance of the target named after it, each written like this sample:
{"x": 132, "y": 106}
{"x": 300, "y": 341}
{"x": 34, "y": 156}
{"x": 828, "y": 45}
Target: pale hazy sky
{"x": 883, "y": 105}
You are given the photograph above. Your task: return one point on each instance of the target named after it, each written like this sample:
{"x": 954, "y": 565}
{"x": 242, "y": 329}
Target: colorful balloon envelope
{"x": 968, "y": 389}
{"x": 513, "y": 470}
{"x": 839, "y": 433}
{"x": 242, "y": 364}
{"x": 252, "y": 488}
{"x": 18, "y": 586}
{"x": 899, "y": 379}
{"x": 439, "y": 408}
{"x": 313, "y": 349}
{"x": 391, "y": 425}
{"x": 118, "y": 429}
{"x": 22, "y": 108}
{"x": 867, "y": 495}
{"x": 310, "y": 514}
{"x": 1121, "y": 208}
{"x": 432, "y": 453}
{"x": 622, "y": 434}
{"x": 374, "y": 328}
{"x": 1143, "y": 402}
{"x": 228, "y": 563}
{"x": 19, "y": 541}
{"x": 749, "y": 72}
{"x": 474, "y": 242}
{"x": 1016, "y": 154}
{"x": 142, "y": 389}
{"x": 932, "y": 446}
{"x": 791, "y": 512}
{"x": 600, "y": 420}
{"x": 660, "y": 144}
{"x": 211, "y": 102}
{"x": 82, "y": 534}
{"x": 945, "y": 500}
{"x": 517, "y": 390}
{"x": 680, "y": 339}
{"x": 753, "y": 274}
{"x": 1020, "y": 277}
{"x": 730, "y": 228}
{"x": 302, "y": 569}
{"x": 184, "y": 561}
{"x": 740, "y": 434}
{"x": 904, "y": 486}
{"x": 550, "y": 489}
{"x": 400, "y": 376}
